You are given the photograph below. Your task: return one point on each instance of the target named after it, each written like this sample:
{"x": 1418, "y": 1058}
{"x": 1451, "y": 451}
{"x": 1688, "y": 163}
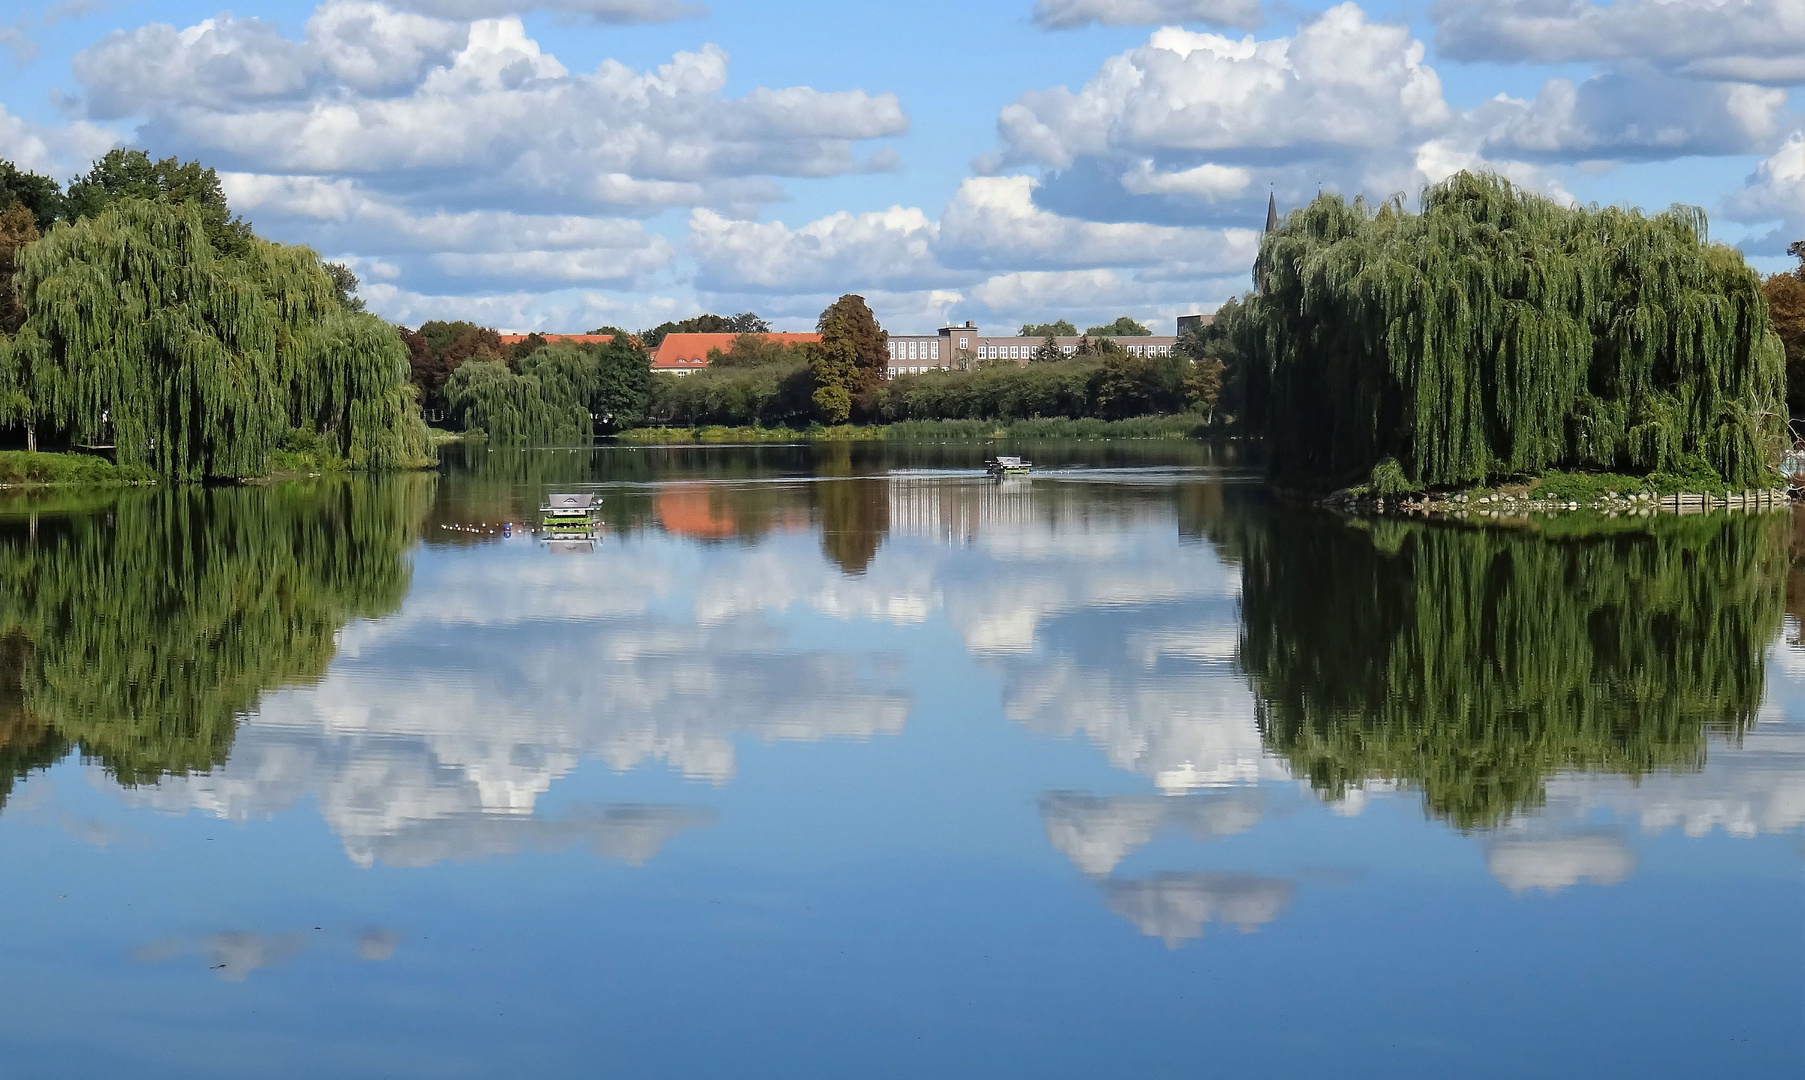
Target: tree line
{"x": 844, "y": 378}
{"x": 140, "y": 314}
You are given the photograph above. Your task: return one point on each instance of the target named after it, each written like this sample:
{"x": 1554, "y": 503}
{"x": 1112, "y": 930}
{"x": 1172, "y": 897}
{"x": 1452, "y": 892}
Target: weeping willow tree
{"x": 1471, "y": 664}
{"x": 1498, "y": 332}
{"x": 141, "y": 633}
{"x": 141, "y": 335}
{"x": 518, "y": 409}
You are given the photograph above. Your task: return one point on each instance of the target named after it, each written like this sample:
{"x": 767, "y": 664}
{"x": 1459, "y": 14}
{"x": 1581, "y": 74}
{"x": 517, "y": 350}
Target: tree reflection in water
{"x": 1473, "y": 663}
{"x": 142, "y": 628}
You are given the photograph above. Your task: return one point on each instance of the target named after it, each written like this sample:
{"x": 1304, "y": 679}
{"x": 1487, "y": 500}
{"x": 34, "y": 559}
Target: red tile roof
{"x": 688, "y": 352}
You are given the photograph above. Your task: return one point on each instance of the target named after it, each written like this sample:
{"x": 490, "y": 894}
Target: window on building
{"x": 962, "y": 343}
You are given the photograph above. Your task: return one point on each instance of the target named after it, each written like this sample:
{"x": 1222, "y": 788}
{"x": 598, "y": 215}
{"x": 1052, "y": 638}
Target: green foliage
{"x": 345, "y": 284}
{"x": 514, "y": 409}
{"x": 1202, "y": 384}
{"x": 1466, "y": 662}
{"x": 1500, "y": 333}
{"x": 1181, "y": 426}
{"x": 1060, "y": 328}
{"x": 1218, "y": 377}
{"x": 993, "y": 392}
{"x": 1388, "y": 478}
{"x": 767, "y": 386}
{"x": 192, "y": 363}
{"x": 437, "y": 348}
{"x": 745, "y": 322}
{"x": 766, "y": 394}
{"x": 1089, "y": 345}
{"x": 1122, "y": 327}
{"x": 834, "y": 372}
{"x": 848, "y": 328}
{"x": 22, "y": 469}
{"x": 1131, "y": 385}
{"x": 142, "y": 634}
{"x": 757, "y": 350}
{"x": 622, "y": 386}
{"x": 1048, "y": 351}
{"x": 40, "y": 195}
{"x": 131, "y": 174}
{"x": 1143, "y": 427}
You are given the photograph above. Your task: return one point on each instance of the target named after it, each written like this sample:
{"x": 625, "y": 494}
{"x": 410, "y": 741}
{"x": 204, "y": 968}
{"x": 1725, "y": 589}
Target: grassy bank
{"x": 20, "y": 468}
{"x": 1184, "y": 426}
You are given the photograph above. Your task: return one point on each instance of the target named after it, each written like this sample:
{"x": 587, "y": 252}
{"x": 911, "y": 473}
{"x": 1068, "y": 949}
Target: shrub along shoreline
{"x": 1178, "y": 426}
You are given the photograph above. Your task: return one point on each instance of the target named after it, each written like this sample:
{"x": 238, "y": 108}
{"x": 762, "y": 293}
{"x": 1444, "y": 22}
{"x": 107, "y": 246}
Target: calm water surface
{"x": 849, "y": 762}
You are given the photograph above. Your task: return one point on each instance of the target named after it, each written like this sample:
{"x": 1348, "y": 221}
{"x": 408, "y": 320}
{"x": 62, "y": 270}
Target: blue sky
{"x": 560, "y": 164}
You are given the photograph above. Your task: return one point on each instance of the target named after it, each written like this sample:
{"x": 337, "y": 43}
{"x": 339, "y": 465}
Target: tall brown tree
{"x": 1786, "y": 301}
{"x": 849, "y": 322}
{"x": 17, "y": 229}
{"x": 436, "y": 350}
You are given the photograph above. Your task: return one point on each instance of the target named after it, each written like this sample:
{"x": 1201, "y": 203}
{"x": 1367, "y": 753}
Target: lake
{"x": 848, "y": 761}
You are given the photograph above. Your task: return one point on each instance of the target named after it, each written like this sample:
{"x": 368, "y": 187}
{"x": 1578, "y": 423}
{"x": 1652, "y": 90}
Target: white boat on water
{"x": 1005, "y": 465}
{"x": 569, "y": 515}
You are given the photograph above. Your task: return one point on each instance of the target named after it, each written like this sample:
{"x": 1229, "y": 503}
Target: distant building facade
{"x": 963, "y": 346}
{"x": 951, "y": 348}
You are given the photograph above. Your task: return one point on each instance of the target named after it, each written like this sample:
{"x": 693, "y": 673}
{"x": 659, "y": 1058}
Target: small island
{"x": 1500, "y": 345}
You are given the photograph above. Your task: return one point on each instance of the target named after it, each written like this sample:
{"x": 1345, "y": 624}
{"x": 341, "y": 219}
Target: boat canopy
{"x": 571, "y": 502}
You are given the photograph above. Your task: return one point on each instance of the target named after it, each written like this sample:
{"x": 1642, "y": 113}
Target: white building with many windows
{"x": 959, "y": 347}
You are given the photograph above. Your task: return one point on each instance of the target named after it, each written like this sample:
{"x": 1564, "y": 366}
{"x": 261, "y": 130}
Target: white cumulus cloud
{"x": 1342, "y": 81}
{"x": 1761, "y": 41}
{"x": 483, "y": 98}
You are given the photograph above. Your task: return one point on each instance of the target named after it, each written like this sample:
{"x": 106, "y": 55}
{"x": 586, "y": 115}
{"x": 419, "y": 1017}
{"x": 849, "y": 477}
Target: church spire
{"x": 1272, "y": 226}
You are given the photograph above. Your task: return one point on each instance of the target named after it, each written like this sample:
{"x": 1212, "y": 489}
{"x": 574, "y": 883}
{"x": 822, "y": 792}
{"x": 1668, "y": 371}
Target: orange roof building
{"x": 681, "y": 354}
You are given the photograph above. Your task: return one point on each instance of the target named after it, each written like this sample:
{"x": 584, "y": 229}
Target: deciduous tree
{"x": 131, "y": 174}
{"x": 834, "y": 370}
{"x": 849, "y": 322}
{"x": 1122, "y": 327}
{"x": 746, "y": 322}
{"x": 40, "y": 195}
{"x": 1786, "y": 303}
